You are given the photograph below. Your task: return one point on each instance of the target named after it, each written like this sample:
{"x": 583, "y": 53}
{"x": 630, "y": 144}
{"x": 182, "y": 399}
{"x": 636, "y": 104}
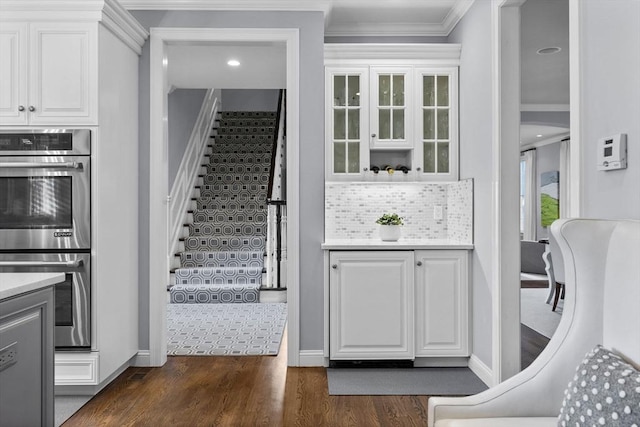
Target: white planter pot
{"x": 390, "y": 233}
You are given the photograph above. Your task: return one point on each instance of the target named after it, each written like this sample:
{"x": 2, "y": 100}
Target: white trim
{"x": 460, "y": 8}
{"x": 76, "y": 368}
{"x": 183, "y": 185}
{"x": 505, "y": 23}
{"x": 124, "y": 25}
{"x": 479, "y": 368}
{"x": 254, "y": 5}
{"x": 142, "y": 359}
{"x": 158, "y": 215}
{"x": 544, "y": 107}
{"x": 158, "y": 199}
{"x": 342, "y": 53}
{"x": 575, "y": 101}
{"x": 311, "y": 358}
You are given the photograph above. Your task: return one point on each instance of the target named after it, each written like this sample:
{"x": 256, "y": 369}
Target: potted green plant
{"x": 390, "y": 224}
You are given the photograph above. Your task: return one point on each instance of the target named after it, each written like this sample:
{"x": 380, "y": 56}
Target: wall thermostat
{"x": 612, "y": 152}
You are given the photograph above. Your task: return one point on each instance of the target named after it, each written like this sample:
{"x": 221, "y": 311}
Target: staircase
{"x": 223, "y": 257}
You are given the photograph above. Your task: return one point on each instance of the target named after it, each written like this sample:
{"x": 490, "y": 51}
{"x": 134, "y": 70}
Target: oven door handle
{"x": 42, "y": 165}
{"x": 69, "y": 264}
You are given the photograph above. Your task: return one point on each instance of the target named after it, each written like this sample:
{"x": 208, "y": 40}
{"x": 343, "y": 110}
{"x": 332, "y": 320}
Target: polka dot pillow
{"x": 604, "y": 392}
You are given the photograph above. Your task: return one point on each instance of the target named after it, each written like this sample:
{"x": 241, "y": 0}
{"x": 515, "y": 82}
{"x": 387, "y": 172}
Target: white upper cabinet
{"x": 392, "y": 108}
{"x": 436, "y": 148}
{"x": 347, "y": 119}
{"x": 391, "y": 112}
{"x": 48, "y": 73}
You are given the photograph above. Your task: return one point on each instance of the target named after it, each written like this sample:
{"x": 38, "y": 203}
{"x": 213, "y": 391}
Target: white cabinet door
{"x": 371, "y": 305}
{"x": 436, "y": 149}
{"x": 347, "y": 126}
{"x": 63, "y": 65}
{"x": 442, "y": 303}
{"x": 392, "y": 108}
{"x": 13, "y": 73}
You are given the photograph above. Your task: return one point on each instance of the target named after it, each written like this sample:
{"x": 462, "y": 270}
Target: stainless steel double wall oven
{"x": 45, "y": 219}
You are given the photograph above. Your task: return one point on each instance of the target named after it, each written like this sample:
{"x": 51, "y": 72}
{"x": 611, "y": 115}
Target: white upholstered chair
{"x": 602, "y": 306}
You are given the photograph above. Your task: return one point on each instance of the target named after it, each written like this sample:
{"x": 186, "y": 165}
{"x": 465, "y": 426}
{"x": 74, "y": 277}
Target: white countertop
{"x": 402, "y": 244}
{"x": 12, "y": 284}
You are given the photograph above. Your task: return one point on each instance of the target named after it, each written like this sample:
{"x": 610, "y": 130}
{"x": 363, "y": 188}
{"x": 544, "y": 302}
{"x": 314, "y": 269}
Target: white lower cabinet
{"x": 398, "y": 304}
{"x": 442, "y": 303}
{"x": 371, "y": 308}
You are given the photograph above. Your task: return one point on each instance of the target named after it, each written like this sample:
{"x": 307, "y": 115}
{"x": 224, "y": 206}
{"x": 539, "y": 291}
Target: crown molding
{"x": 384, "y": 51}
{"x": 121, "y": 23}
{"x": 112, "y": 15}
{"x": 51, "y": 10}
{"x": 226, "y": 5}
{"x": 457, "y": 12}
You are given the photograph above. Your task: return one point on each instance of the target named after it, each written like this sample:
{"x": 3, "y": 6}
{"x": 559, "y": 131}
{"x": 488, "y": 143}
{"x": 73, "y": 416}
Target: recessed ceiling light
{"x": 548, "y": 50}
{"x": 538, "y": 136}
{"x": 233, "y": 62}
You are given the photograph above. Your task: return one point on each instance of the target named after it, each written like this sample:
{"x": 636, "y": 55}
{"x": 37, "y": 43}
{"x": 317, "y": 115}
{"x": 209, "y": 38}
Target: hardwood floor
{"x": 531, "y": 345}
{"x": 250, "y": 391}
{"x": 239, "y": 391}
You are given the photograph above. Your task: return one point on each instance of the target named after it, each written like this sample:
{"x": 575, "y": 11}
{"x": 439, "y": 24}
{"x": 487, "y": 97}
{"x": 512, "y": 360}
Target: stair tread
{"x": 209, "y": 268}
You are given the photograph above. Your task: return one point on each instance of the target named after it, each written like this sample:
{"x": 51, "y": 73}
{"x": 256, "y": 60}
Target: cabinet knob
{"x": 20, "y": 107}
{"x": 32, "y": 108}
{"x": 334, "y": 266}
{"x": 419, "y": 263}
{"x": 373, "y": 135}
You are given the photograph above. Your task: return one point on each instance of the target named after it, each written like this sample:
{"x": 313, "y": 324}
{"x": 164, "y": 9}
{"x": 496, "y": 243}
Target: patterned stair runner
{"x": 224, "y": 252}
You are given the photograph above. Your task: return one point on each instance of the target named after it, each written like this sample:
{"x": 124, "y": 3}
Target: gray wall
{"x": 474, "y": 33}
{"x": 547, "y": 160}
{"x": 611, "y": 104}
{"x": 311, "y": 147}
{"x": 183, "y": 109}
{"x": 250, "y": 99}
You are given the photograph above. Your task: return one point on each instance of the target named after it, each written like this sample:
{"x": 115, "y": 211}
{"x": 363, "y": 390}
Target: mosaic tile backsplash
{"x": 351, "y": 209}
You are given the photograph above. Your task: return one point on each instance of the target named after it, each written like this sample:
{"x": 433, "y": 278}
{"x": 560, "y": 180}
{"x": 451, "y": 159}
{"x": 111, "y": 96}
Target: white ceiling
{"x": 262, "y": 66}
{"x": 545, "y": 78}
{"x": 534, "y": 135}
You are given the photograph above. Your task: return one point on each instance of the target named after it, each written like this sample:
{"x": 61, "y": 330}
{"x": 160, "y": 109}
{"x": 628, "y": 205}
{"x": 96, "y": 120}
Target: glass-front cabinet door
{"x": 437, "y": 124}
{"x": 347, "y": 125}
{"x": 391, "y": 112}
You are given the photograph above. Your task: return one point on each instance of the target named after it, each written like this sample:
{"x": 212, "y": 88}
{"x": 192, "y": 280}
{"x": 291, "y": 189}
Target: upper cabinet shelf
{"x": 386, "y": 110}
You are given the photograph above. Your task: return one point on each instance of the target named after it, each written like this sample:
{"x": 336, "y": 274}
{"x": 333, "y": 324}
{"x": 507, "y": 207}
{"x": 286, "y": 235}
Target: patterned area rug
{"x": 225, "y": 329}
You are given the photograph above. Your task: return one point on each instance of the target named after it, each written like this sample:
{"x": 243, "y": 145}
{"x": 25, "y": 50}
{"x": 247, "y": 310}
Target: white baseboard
{"x": 479, "y": 368}
{"x": 74, "y": 369}
{"x": 142, "y": 359}
{"x": 78, "y": 375}
{"x": 311, "y": 358}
